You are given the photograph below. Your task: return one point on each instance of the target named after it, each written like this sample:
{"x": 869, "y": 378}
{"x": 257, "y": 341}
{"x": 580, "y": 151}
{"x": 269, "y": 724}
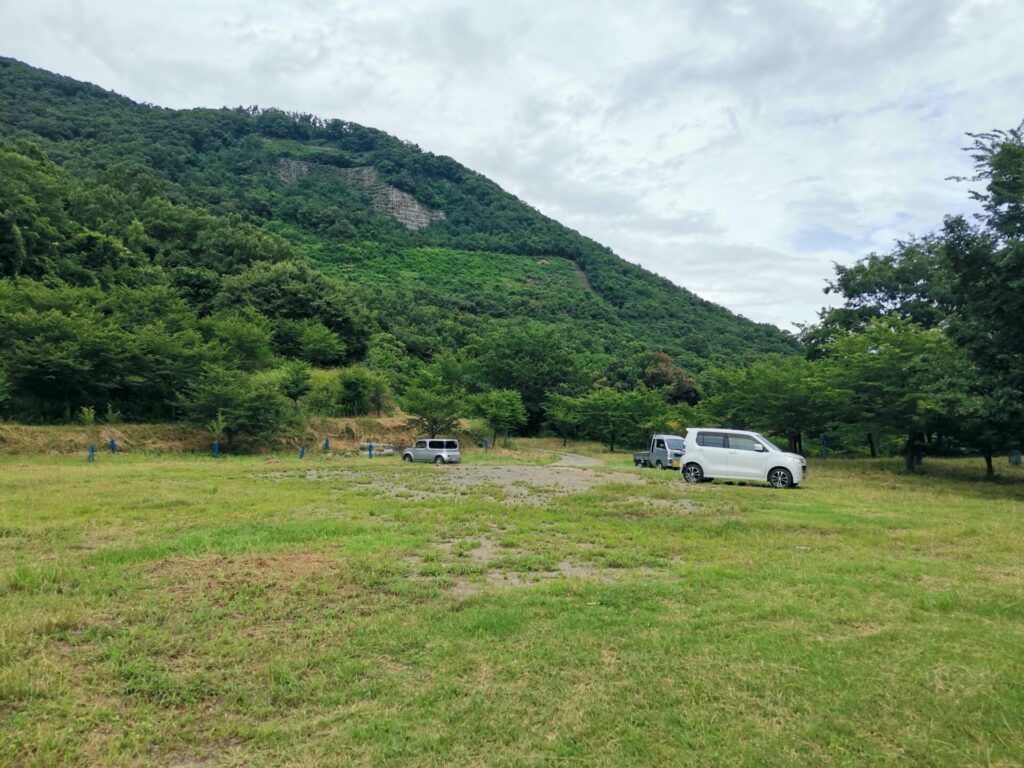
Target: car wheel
{"x": 439, "y": 460}
{"x": 692, "y": 473}
{"x": 406, "y": 457}
{"x": 780, "y": 477}
{"x": 658, "y": 464}
{"x": 637, "y": 463}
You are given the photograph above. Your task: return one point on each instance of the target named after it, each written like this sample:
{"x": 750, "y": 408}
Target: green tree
{"x": 532, "y": 358}
{"x": 779, "y": 395}
{"x": 243, "y": 337}
{"x": 502, "y": 409}
{"x": 614, "y": 417}
{"x": 295, "y": 379}
{"x": 563, "y": 414}
{"x": 435, "y": 407}
{"x": 248, "y": 405}
{"x": 896, "y": 376}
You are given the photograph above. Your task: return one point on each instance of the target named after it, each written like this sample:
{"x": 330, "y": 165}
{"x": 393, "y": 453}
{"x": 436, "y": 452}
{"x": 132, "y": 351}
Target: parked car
{"x": 732, "y": 454}
{"x": 665, "y": 452}
{"x": 438, "y": 450}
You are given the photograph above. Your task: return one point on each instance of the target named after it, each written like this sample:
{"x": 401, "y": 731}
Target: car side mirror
{"x": 759, "y": 448}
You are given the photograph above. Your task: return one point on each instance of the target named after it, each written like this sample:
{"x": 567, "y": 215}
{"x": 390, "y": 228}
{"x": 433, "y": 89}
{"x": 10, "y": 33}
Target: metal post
{"x": 216, "y": 449}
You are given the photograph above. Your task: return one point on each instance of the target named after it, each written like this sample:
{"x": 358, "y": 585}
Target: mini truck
{"x": 666, "y": 452}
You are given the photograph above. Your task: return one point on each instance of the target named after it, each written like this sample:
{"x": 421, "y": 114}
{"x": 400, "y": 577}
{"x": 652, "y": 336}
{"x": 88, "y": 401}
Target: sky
{"x": 737, "y": 147}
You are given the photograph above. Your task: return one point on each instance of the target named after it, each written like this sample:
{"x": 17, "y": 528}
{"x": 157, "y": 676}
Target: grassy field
{"x": 512, "y": 611}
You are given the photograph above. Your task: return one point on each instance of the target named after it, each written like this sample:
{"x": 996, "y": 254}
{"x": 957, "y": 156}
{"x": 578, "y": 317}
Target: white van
{"x": 732, "y": 454}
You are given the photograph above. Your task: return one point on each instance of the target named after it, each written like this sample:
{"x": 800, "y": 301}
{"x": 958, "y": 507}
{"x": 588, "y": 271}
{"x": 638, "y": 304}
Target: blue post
{"x": 92, "y": 452}
{"x": 486, "y": 443}
{"x": 327, "y": 443}
{"x": 112, "y": 445}
{"x": 824, "y": 445}
{"x": 216, "y": 449}
{"x": 369, "y": 450}
{"x": 302, "y": 451}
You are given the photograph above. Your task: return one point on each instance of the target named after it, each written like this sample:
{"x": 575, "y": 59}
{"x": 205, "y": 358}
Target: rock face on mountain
{"x": 384, "y": 198}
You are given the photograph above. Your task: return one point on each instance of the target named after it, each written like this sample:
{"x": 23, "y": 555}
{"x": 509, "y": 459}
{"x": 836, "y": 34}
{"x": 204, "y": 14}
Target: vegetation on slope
{"x": 135, "y": 239}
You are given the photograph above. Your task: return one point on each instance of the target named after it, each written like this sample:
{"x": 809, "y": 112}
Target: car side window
{"x": 711, "y": 440}
{"x": 451, "y": 445}
{"x": 742, "y": 443}
{"x": 659, "y": 443}
{"x": 421, "y": 444}
{"x": 436, "y": 445}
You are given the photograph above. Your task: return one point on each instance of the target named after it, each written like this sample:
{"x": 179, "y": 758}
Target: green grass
{"x": 161, "y": 610}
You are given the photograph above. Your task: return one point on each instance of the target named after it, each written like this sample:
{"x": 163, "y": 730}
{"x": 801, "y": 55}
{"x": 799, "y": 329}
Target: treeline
{"x": 926, "y": 348}
{"x": 116, "y": 300}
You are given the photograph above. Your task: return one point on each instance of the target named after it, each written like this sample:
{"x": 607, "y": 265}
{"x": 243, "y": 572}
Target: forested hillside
{"x": 163, "y": 264}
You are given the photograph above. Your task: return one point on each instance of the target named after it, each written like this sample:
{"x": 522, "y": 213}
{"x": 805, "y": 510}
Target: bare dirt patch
{"x": 534, "y": 484}
{"x": 192, "y": 577}
{"x": 519, "y": 484}
{"x": 486, "y": 550}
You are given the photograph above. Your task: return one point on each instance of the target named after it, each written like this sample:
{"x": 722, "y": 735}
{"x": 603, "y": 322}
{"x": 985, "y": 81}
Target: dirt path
{"x": 572, "y": 459}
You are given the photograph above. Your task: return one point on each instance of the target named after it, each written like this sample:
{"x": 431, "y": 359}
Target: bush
{"x": 245, "y": 404}
{"x": 362, "y": 391}
{"x": 322, "y": 397}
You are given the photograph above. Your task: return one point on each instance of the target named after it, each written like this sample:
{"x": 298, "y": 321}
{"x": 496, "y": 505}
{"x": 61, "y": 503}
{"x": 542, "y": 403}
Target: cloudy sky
{"x": 737, "y": 147}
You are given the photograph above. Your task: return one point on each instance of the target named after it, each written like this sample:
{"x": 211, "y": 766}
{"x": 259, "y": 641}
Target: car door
{"x": 658, "y": 452}
{"x": 747, "y": 457}
{"x": 419, "y": 450}
{"x": 713, "y": 454}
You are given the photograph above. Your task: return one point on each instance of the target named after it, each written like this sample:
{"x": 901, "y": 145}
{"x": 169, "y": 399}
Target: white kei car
{"x": 733, "y": 454}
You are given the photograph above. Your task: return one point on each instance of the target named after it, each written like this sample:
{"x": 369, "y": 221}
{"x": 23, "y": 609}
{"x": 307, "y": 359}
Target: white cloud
{"x": 737, "y": 148}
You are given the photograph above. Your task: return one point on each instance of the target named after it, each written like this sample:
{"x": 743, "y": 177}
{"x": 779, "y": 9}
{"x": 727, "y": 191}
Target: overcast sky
{"x": 737, "y": 147}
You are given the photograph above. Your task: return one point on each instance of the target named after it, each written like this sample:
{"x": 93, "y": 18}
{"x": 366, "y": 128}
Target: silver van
{"x": 439, "y": 450}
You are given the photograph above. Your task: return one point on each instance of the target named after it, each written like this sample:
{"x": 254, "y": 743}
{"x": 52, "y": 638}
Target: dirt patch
{"x": 486, "y": 550}
{"x": 192, "y": 577}
{"x": 1011, "y": 576}
{"x": 464, "y": 586}
{"x": 520, "y": 484}
{"x": 527, "y": 484}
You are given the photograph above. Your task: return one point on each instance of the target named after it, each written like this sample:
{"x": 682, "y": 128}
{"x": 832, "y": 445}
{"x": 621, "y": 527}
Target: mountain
{"x": 338, "y": 242}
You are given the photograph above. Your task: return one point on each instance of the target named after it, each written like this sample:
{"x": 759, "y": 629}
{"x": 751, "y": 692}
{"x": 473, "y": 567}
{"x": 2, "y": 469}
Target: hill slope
{"x": 415, "y": 253}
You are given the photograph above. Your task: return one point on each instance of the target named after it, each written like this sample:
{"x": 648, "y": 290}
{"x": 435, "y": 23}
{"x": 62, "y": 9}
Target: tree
{"x": 361, "y": 390}
{"x": 676, "y": 383}
{"x": 612, "y": 416}
{"x": 435, "y": 407}
{"x": 898, "y": 376}
{"x": 563, "y": 414}
{"x": 502, "y": 409}
{"x": 780, "y": 395}
{"x": 4, "y": 393}
{"x": 293, "y": 291}
{"x": 244, "y": 404}
{"x": 243, "y": 337}
{"x": 532, "y": 358}
{"x": 295, "y": 379}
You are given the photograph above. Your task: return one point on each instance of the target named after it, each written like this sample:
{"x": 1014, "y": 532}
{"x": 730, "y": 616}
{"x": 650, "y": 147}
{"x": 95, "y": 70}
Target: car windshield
{"x": 676, "y": 443}
{"x": 772, "y": 446}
